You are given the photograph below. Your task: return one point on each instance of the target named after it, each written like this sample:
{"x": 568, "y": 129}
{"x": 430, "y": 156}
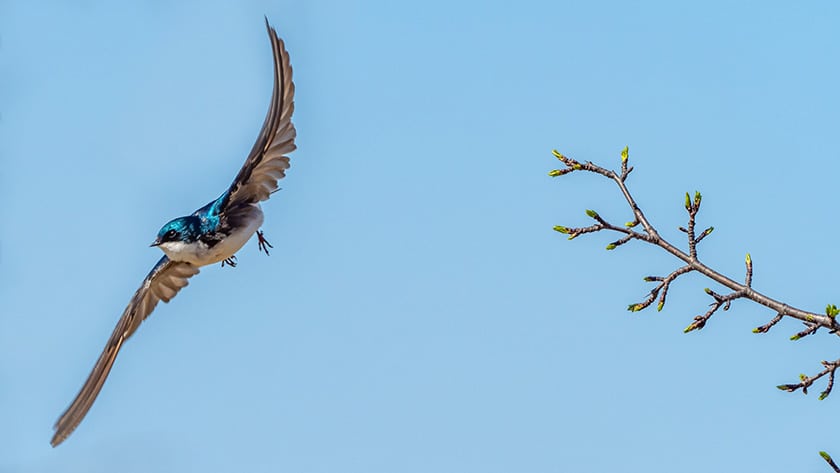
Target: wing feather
{"x": 267, "y": 162}
{"x": 161, "y": 284}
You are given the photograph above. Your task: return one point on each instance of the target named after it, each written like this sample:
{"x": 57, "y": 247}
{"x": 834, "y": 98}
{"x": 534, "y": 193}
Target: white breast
{"x": 200, "y": 254}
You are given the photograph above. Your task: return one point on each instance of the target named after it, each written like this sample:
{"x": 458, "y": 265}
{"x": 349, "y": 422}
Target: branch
{"x": 807, "y": 381}
{"x": 813, "y": 321}
{"x": 830, "y": 462}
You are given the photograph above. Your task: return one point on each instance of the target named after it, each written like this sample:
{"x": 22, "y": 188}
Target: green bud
{"x": 697, "y": 198}
{"x": 802, "y": 377}
{"x": 749, "y": 259}
{"x": 823, "y": 395}
{"x": 707, "y": 291}
{"x": 690, "y": 328}
{"x": 709, "y": 230}
{"x": 782, "y": 387}
{"x": 650, "y": 279}
{"x": 625, "y": 153}
{"x": 631, "y": 224}
{"x": 825, "y": 456}
{"x": 561, "y": 229}
{"x": 687, "y": 201}
{"x": 558, "y": 155}
{"x": 660, "y": 306}
{"x": 591, "y": 213}
{"x": 795, "y": 338}
{"x": 756, "y": 330}
{"x": 610, "y": 247}
{"x": 577, "y": 167}
{"x": 555, "y": 173}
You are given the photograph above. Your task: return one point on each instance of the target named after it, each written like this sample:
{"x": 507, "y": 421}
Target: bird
{"x": 211, "y": 234}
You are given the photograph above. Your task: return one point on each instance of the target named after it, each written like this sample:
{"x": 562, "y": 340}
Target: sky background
{"x": 418, "y": 314}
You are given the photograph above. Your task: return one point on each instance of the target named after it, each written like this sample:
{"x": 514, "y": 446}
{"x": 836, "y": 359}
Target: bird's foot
{"x": 230, "y": 261}
{"x": 263, "y": 244}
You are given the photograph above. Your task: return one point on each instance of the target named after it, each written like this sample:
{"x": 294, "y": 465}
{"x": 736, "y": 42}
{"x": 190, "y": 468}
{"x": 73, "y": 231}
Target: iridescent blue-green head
{"x": 180, "y": 230}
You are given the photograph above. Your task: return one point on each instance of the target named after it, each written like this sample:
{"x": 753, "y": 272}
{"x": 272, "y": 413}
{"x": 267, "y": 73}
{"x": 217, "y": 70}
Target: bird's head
{"x": 176, "y": 233}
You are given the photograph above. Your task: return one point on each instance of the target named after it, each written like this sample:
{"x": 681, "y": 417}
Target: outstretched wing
{"x": 267, "y": 162}
{"x": 162, "y": 283}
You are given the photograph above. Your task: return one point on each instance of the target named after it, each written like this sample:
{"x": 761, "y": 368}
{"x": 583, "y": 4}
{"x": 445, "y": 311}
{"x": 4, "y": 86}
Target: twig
{"x": 806, "y": 381}
{"x": 764, "y": 328}
{"x": 830, "y": 462}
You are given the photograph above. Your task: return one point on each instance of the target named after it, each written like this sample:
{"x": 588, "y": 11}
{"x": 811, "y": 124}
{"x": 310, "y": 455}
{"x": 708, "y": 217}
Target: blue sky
{"x": 418, "y": 313}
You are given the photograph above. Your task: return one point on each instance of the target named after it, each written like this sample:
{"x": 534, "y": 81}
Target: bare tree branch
{"x": 813, "y": 321}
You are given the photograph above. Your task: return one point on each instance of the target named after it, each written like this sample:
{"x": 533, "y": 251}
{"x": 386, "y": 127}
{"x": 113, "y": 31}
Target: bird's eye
{"x": 170, "y": 234}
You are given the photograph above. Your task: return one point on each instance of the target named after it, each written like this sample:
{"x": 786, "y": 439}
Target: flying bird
{"x": 212, "y": 234}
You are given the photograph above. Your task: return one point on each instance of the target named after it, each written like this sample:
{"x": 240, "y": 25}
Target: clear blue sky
{"x": 418, "y": 314}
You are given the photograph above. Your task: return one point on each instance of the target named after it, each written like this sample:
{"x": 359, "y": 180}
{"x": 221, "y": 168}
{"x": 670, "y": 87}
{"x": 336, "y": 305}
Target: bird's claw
{"x": 230, "y": 261}
{"x": 263, "y": 244}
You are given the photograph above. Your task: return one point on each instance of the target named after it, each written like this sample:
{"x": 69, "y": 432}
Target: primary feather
{"x": 161, "y": 284}
{"x": 267, "y": 162}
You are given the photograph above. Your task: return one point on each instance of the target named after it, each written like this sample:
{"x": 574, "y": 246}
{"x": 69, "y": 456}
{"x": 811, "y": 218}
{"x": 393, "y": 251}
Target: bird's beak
{"x": 156, "y": 242}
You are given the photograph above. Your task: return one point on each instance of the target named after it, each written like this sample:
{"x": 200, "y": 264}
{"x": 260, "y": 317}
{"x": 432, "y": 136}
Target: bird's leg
{"x": 230, "y": 261}
{"x": 264, "y": 245}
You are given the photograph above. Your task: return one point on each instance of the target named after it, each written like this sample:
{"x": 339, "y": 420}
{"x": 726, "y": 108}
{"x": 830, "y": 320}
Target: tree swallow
{"x": 211, "y": 234}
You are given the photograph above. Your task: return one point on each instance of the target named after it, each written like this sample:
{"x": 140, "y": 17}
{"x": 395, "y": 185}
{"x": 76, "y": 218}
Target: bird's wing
{"x": 162, "y": 283}
{"x": 267, "y": 162}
